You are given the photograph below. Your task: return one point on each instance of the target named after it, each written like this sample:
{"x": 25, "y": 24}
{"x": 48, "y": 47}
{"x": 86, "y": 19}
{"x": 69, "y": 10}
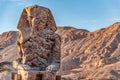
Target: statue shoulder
{"x": 57, "y": 36}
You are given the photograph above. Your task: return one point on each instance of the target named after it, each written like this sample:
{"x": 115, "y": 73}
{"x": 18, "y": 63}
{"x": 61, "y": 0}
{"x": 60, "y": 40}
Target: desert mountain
{"x": 91, "y": 52}
{"x": 8, "y": 38}
{"x": 8, "y": 43}
{"x": 90, "y": 49}
{"x": 87, "y": 55}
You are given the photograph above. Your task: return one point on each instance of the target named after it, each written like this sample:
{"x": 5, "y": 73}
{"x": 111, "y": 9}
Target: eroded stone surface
{"x": 39, "y": 45}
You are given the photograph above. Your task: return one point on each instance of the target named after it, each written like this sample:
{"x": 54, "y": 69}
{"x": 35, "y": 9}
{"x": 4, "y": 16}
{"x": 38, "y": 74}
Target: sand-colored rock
{"x": 8, "y": 43}
{"x": 94, "y": 50}
{"x": 39, "y": 45}
{"x": 8, "y": 38}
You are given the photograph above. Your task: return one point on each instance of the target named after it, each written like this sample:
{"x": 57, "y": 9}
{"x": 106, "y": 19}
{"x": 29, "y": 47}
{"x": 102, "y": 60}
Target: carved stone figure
{"x": 39, "y": 45}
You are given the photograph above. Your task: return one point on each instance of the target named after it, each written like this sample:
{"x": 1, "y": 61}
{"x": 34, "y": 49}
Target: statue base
{"x": 34, "y": 75}
{"x": 24, "y": 72}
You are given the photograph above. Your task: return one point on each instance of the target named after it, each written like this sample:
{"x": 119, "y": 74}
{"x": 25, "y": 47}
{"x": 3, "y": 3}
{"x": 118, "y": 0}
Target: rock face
{"x": 39, "y": 45}
{"x": 8, "y": 38}
{"x": 91, "y": 49}
{"x": 8, "y": 43}
{"x": 91, "y": 52}
{"x": 9, "y": 53}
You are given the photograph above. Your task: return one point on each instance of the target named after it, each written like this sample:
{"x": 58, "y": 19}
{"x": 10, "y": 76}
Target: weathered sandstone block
{"x": 38, "y": 44}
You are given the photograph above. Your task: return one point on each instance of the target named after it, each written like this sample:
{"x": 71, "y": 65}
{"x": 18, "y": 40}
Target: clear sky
{"x": 82, "y": 14}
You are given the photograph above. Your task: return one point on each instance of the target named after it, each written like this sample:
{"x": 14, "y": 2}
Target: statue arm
{"x": 57, "y": 50}
{"x": 56, "y": 55}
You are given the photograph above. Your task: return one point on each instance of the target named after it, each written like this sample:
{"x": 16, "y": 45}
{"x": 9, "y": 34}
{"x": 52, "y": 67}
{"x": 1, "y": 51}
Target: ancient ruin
{"x": 39, "y": 45}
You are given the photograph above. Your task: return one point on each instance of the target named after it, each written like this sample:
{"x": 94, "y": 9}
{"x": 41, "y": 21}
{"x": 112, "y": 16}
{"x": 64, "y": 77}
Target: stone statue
{"x": 39, "y": 45}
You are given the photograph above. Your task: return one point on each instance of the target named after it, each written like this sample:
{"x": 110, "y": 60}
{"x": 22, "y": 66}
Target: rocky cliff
{"x": 85, "y": 52}
{"x": 9, "y": 47}
{"x": 90, "y": 49}
{"x": 87, "y": 55}
{"x": 8, "y": 38}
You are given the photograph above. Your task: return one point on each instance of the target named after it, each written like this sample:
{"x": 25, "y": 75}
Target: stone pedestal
{"x": 24, "y": 72}
{"x": 34, "y": 75}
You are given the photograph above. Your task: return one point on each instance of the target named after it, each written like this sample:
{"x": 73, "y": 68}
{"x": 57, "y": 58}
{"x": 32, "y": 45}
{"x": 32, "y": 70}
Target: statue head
{"x": 36, "y": 18}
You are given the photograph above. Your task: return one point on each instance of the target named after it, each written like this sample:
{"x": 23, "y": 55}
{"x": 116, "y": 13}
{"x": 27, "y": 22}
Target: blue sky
{"x": 82, "y": 14}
